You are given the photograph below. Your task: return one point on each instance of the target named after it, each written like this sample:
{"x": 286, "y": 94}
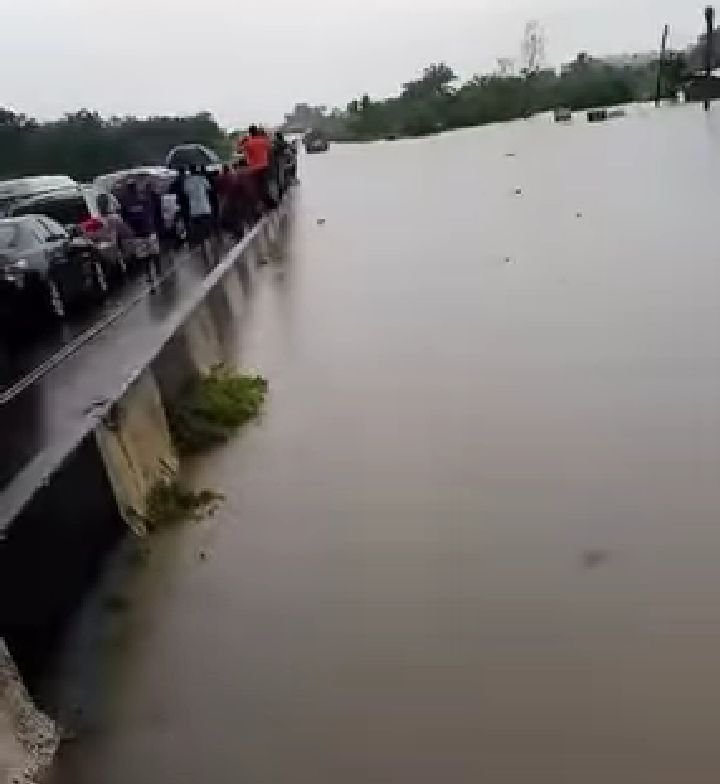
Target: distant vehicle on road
{"x": 563, "y": 114}
{"x": 162, "y": 179}
{"x": 43, "y": 270}
{"x": 186, "y": 155}
{"x": 314, "y": 141}
{"x": 15, "y": 190}
{"x": 85, "y": 210}
{"x": 597, "y": 115}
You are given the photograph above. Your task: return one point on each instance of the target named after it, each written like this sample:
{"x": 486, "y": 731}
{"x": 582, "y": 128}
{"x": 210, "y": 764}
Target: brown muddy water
{"x": 476, "y": 536}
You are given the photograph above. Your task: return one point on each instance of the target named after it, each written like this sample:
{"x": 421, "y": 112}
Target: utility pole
{"x": 661, "y": 63}
{"x": 709, "y": 23}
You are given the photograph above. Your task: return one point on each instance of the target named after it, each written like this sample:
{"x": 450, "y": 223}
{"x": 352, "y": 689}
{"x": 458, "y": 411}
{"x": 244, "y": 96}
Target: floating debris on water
{"x": 170, "y": 503}
{"x": 116, "y": 603}
{"x": 320, "y": 221}
{"x": 592, "y": 558}
{"x": 213, "y": 406}
{"x": 518, "y": 191}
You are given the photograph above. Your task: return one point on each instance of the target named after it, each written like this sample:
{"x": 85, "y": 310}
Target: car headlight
{"x": 15, "y": 272}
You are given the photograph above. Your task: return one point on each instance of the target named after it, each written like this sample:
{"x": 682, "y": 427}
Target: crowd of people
{"x": 211, "y": 203}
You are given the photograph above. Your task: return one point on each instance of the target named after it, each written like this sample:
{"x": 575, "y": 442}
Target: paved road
{"x": 42, "y": 415}
{"x": 475, "y": 538}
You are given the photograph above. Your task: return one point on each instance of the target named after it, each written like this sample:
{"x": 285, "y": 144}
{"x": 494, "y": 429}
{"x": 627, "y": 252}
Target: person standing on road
{"x": 292, "y": 170}
{"x": 243, "y": 196}
{"x": 138, "y": 213}
{"x": 257, "y": 149}
{"x": 214, "y": 197}
{"x": 280, "y": 161}
{"x": 148, "y": 186}
{"x": 197, "y": 189}
{"x": 178, "y": 189}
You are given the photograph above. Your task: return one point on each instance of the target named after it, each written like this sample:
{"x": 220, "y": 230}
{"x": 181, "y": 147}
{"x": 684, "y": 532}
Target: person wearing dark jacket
{"x": 178, "y": 189}
{"x": 139, "y": 214}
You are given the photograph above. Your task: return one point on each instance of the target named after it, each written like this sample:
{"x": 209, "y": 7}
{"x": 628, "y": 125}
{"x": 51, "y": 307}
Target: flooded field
{"x": 476, "y": 536}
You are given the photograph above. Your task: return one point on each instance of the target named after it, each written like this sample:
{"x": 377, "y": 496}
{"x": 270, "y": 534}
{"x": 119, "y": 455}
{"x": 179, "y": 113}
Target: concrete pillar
{"x": 136, "y": 448}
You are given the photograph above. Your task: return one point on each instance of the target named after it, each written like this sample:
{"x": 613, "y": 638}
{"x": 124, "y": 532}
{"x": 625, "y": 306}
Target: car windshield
{"x": 67, "y": 210}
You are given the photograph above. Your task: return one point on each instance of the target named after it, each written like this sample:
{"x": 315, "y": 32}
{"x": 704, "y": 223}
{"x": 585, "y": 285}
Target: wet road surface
{"x": 475, "y": 537}
{"x": 38, "y": 423}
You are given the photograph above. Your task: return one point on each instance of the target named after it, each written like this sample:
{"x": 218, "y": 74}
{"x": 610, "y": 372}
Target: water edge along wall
{"x": 62, "y": 517}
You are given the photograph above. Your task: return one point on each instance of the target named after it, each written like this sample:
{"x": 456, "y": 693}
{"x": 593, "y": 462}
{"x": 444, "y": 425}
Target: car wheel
{"x": 100, "y": 279}
{"x": 119, "y": 264}
{"x": 55, "y": 300}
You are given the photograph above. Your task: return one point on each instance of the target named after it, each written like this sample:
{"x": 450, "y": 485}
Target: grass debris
{"x": 170, "y": 503}
{"x": 213, "y": 406}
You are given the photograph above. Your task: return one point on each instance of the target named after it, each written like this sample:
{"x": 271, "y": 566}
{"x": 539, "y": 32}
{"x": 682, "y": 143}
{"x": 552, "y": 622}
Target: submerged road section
{"x": 475, "y": 537}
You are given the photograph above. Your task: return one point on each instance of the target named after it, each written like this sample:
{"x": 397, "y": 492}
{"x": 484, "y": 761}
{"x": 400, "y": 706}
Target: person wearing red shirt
{"x": 256, "y": 148}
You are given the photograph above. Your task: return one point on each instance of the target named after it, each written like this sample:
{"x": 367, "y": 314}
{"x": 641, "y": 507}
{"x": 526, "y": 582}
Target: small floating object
{"x": 509, "y": 154}
{"x": 507, "y": 259}
{"x": 320, "y": 221}
{"x": 578, "y": 214}
{"x": 518, "y": 191}
{"x": 592, "y": 558}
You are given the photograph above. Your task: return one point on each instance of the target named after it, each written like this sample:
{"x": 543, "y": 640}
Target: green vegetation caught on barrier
{"x": 213, "y": 406}
{"x": 170, "y": 503}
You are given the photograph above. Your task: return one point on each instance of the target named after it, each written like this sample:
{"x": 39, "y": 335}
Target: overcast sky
{"x": 252, "y": 61}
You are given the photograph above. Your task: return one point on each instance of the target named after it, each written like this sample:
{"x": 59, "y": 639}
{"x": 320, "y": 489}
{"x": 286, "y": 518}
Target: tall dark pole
{"x": 661, "y": 63}
{"x": 709, "y": 19}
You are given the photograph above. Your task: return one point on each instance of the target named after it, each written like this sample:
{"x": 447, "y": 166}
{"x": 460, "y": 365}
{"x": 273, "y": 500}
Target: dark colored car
{"x": 43, "y": 270}
{"x": 315, "y": 142}
{"x": 85, "y": 210}
{"x": 12, "y": 191}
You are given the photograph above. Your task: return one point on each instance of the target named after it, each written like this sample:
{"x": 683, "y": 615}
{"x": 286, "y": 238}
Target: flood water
{"x": 476, "y": 536}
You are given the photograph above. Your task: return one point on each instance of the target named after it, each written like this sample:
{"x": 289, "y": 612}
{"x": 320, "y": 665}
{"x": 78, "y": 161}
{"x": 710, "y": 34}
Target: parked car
{"x": 15, "y": 190}
{"x": 43, "y": 270}
{"x": 88, "y": 211}
{"x": 162, "y": 180}
{"x": 185, "y": 155}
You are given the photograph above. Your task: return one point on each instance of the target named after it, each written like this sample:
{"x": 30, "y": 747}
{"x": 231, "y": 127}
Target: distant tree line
{"x": 435, "y": 101}
{"x": 83, "y": 144}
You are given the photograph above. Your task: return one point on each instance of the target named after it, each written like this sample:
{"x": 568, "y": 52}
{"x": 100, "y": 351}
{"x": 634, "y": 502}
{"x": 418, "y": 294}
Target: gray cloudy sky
{"x": 252, "y": 61}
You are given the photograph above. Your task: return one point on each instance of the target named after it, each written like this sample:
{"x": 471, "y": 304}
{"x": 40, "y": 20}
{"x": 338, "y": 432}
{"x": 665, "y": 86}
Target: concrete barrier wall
{"x": 55, "y": 546}
{"x": 136, "y": 448}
